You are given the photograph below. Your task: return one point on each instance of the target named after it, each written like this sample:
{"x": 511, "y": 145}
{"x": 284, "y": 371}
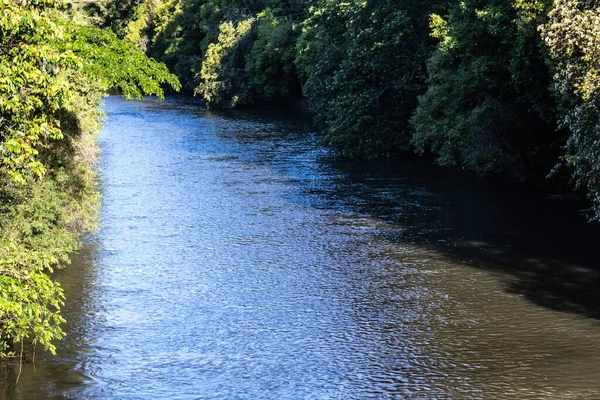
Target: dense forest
{"x": 507, "y": 87}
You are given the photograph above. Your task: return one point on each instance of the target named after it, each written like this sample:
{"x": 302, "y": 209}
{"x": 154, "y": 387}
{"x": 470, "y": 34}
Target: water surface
{"x": 237, "y": 260}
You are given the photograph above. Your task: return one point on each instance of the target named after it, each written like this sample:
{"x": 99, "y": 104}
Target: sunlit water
{"x": 237, "y": 260}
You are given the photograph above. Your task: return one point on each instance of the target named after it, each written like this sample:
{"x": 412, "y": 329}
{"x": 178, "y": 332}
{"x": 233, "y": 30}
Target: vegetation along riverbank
{"x": 506, "y": 87}
{"x": 54, "y": 68}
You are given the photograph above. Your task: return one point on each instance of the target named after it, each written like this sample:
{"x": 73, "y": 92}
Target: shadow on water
{"x": 543, "y": 249}
{"x": 51, "y": 375}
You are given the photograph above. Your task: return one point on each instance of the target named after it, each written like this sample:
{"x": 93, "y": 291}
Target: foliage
{"x": 119, "y": 14}
{"x": 363, "y": 66}
{"x": 250, "y": 60}
{"x": 487, "y": 106}
{"x": 34, "y": 92}
{"x": 183, "y": 31}
{"x": 138, "y": 30}
{"x": 221, "y": 83}
{"x": 34, "y": 239}
{"x": 33, "y": 86}
{"x": 54, "y": 71}
{"x": 118, "y": 64}
{"x": 179, "y": 33}
{"x": 270, "y": 63}
{"x": 176, "y": 39}
{"x": 572, "y": 34}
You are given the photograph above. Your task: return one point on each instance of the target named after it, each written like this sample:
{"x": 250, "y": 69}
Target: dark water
{"x": 238, "y": 261}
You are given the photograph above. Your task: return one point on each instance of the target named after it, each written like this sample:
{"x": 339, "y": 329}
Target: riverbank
{"x": 55, "y": 68}
{"x": 41, "y": 222}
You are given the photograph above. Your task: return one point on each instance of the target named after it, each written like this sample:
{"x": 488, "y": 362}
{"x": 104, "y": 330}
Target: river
{"x": 238, "y": 260}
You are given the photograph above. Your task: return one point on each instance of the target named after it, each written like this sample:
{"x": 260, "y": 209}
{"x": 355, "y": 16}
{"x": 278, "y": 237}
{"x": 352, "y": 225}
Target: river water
{"x": 237, "y": 260}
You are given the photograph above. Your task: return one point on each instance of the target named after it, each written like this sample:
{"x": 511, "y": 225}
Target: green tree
{"x": 270, "y": 63}
{"x": 223, "y": 85}
{"x": 120, "y": 13}
{"x": 363, "y": 66}
{"x": 487, "y": 107}
{"x": 572, "y": 34}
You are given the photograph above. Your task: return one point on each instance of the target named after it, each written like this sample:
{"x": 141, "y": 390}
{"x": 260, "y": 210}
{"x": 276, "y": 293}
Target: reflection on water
{"x": 51, "y": 377}
{"x": 238, "y": 261}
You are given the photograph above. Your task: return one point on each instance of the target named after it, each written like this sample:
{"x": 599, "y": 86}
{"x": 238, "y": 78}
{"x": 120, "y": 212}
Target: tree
{"x": 270, "y": 63}
{"x": 487, "y": 107}
{"x": 572, "y": 34}
{"x": 222, "y": 84}
{"x": 363, "y": 66}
